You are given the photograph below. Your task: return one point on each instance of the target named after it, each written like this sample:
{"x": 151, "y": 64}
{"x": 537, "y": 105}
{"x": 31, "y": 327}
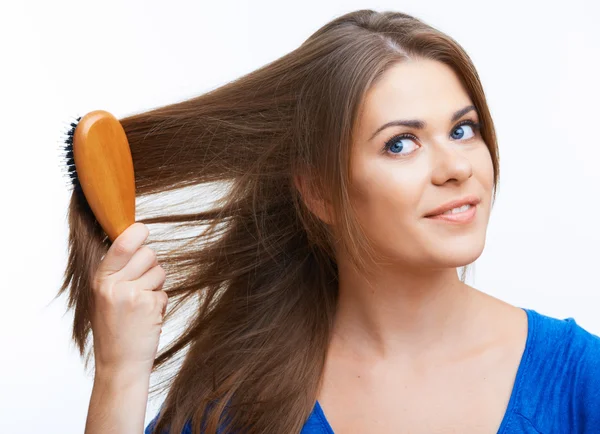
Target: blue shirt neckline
{"x": 515, "y": 393}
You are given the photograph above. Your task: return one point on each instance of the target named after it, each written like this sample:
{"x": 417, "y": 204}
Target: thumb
{"x": 122, "y": 249}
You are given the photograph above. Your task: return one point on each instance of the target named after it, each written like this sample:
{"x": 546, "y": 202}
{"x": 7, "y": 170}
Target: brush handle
{"x": 105, "y": 170}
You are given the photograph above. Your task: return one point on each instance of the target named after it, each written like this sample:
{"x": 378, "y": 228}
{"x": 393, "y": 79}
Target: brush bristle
{"x": 68, "y": 160}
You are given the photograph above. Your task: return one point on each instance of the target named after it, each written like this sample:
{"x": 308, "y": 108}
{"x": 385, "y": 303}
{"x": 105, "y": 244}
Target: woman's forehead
{"x": 415, "y": 88}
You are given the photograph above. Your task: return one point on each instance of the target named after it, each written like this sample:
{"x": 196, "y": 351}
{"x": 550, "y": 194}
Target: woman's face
{"x": 394, "y": 189}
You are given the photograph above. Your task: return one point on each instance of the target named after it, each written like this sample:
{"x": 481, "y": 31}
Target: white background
{"x": 538, "y": 61}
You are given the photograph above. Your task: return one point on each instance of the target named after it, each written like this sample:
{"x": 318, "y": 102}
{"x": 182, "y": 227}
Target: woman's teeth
{"x": 457, "y": 210}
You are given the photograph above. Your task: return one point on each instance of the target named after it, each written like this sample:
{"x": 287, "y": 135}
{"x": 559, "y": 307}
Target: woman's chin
{"x": 459, "y": 255}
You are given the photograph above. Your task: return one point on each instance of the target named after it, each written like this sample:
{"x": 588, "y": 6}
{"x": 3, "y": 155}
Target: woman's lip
{"x": 462, "y": 217}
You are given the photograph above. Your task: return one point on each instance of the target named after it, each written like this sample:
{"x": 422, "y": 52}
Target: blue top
{"x": 556, "y": 390}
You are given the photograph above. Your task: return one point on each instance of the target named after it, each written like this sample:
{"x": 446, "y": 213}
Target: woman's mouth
{"x": 461, "y": 215}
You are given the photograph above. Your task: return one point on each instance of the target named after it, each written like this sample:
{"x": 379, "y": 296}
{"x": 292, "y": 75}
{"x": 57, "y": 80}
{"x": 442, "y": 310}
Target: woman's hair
{"x": 259, "y": 272}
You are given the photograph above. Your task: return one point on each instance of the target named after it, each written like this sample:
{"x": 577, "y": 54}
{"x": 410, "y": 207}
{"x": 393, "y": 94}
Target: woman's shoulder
{"x": 562, "y": 372}
{"x": 564, "y": 337}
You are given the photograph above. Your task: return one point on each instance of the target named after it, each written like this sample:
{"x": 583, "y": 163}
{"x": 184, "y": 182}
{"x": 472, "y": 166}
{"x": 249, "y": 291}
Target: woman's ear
{"x": 314, "y": 201}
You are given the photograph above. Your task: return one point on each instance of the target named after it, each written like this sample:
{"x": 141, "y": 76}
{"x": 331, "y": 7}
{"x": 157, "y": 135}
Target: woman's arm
{"x": 118, "y": 403}
{"x": 129, "y": 306}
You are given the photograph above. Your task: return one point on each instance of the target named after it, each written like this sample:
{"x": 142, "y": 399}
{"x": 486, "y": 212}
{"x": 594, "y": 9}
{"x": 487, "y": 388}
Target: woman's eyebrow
{"x": 419, "y": 124}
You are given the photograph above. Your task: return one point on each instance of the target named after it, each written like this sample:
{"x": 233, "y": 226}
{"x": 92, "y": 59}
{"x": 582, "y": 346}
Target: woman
{"x": 363, "y": 168}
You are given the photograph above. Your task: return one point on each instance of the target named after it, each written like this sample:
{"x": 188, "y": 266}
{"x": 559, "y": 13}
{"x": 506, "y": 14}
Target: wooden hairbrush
{"x": 100, "y": 166}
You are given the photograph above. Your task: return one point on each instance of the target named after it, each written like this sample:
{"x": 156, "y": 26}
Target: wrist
{"x": 122, "y": 376}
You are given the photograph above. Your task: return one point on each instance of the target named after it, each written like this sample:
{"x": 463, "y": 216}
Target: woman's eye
{"x": 407, "y": 142}
{"x": 460, "y": 132}
{"x": 400, "y": 143}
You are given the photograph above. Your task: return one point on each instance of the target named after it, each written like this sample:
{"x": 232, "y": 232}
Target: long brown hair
{"x": 259, "y": 276}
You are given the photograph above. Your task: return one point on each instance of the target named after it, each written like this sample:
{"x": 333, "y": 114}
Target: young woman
{"x": 325, "y": 297}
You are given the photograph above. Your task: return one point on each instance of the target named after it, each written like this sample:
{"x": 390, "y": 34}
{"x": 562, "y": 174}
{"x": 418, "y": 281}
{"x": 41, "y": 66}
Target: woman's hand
{"x": 129, "y": 305}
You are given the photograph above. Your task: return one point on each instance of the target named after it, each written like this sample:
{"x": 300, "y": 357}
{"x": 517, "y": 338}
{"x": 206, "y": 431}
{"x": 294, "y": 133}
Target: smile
{"x": 461, "y": 215}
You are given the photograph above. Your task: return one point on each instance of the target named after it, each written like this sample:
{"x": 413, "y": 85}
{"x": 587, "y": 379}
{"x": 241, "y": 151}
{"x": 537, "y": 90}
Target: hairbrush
{"x": 99, "y": 164}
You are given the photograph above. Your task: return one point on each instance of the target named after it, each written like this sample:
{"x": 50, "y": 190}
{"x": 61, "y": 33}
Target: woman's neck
{"x": 402, "y": 315}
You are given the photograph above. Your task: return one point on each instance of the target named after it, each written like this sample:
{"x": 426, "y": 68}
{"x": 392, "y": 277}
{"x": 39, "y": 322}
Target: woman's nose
{"x": 449, "y": 162}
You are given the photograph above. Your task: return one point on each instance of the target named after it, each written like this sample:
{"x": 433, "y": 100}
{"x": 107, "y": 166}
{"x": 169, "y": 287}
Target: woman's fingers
{"x": 123, "y": 248}
{"x": 152, "y": 280}
{"x": 141, "y": 261}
